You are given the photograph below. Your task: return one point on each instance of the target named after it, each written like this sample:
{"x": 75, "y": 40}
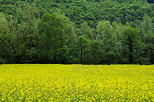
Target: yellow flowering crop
{"x": 76, "y": 83}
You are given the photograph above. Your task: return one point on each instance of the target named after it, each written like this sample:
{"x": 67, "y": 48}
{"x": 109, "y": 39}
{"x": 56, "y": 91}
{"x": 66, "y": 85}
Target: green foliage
{"x": 4, "y": 48}
{"x": 2, "y": 61}
{"x": 77, "y": 31}
{"x": 133, "y": 44}
{"x": 55, "y": 35}
{"x": 4, "y": 29}
{"x": 83, "y": 49}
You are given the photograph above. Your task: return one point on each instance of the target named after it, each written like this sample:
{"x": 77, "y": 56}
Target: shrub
{"x": 2, "y": 61}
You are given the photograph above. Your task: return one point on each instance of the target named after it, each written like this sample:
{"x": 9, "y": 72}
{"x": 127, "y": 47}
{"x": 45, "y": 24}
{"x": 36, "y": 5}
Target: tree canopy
{"x": 77, "y": 31}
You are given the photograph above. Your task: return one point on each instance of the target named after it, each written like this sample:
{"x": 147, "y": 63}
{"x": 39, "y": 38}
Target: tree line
{"x": 74, "y": 31}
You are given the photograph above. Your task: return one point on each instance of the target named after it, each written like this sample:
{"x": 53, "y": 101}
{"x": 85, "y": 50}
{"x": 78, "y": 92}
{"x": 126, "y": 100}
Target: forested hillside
{"x": 77, "y": 31}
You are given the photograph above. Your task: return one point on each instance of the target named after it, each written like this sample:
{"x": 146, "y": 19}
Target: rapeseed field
{"x": 76, "y": 83}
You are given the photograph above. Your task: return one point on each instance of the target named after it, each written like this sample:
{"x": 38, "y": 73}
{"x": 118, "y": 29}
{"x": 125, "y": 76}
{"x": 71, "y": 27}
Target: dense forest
{"x": 77, "y": 31}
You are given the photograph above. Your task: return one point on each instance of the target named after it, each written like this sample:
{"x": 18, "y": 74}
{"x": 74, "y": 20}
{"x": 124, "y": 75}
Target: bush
{"x": 2, "y": 61}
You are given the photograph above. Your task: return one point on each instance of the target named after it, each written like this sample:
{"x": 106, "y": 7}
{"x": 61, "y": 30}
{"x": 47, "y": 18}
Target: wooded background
{"x": 77, "y": 31}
